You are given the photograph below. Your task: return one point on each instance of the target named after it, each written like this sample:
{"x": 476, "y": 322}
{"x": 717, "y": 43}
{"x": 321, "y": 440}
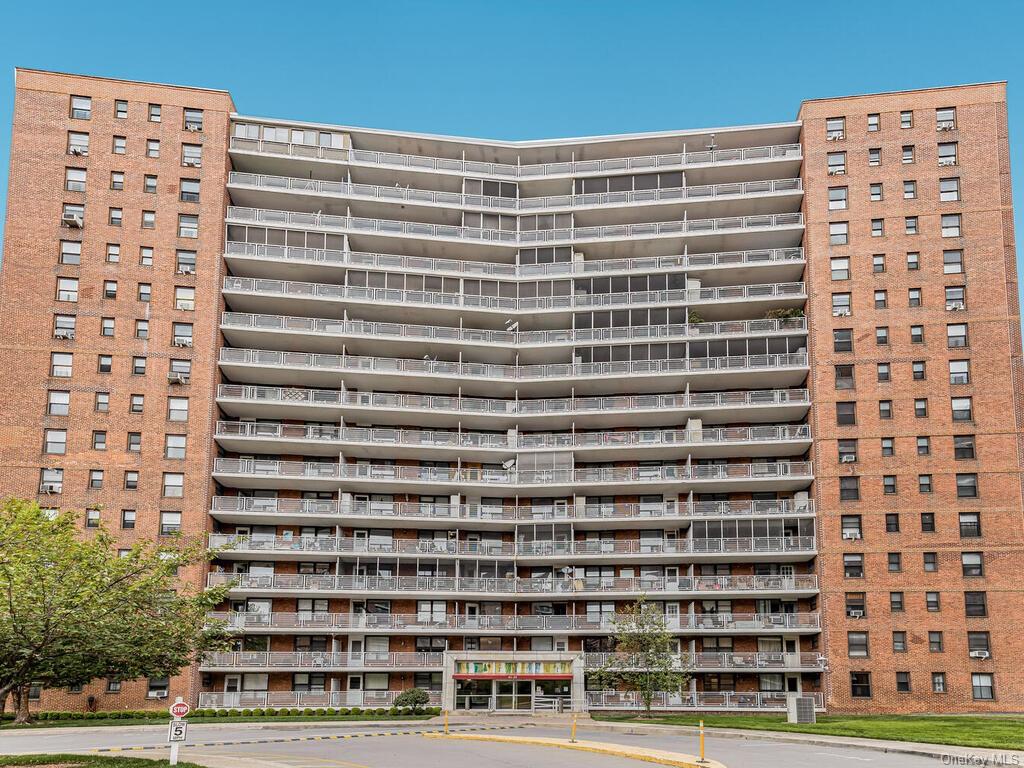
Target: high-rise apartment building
{"x": 449, "y": 405}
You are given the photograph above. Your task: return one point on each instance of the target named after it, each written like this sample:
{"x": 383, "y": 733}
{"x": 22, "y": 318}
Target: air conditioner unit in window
{"x": 187, "y": 271}
{"x": 158, "y": 695}
{"x": 72, "y": 220}
{"x": 855, "y": 614}
{"x": 840, "y": 313}
{"x": 190, "y": 163}
{"x": 955, "y": 306}
{"x": 944, "y": 127}
{"x": 177, "y": 378}
{"x": 182, "y": 341}
{"x": 851, "y": 535}
{"x": 847, "y": 459}
{"x": 80, "y": 151}
{"x": 836, "y": 171}
{"x": 64, "y": 333}
{"x": 193, "y": 127}
{"x": 980, "y": 654}
{"x": 50, "y": 488}
{"x": 833, "y": 137}
{"x": 946, "y": 161}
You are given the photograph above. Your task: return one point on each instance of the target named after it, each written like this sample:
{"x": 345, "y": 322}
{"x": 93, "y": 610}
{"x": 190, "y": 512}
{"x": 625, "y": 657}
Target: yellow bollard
{"x": 446, "y": 722}
{"x": 701, "y": 741}
{"x": 572, "y": 735}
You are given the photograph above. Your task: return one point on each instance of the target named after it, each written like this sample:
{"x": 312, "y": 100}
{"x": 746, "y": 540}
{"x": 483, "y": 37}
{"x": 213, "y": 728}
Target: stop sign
{"x": 180, "y": 709}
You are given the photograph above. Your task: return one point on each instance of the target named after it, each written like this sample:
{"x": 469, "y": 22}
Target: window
{"x": 878, "y": 263}
{"x": 95, "y": 479}
{"x": 857, "y": 644}
{"x": 952, "y": 262}
{"x": 67, "y": 289}
{"x": 979, "y": 641}
{"x": 113, "y": 253}
{"x": 188, "y": 225}
{"x": 839, "y": 233}
{"x": 885, "y": 409}
{"x": 846, "y": 413}
{"x": 849, "y": 488}
{"x": 154, "y": 113}
{"x": 895, "y": 562}
{"x": 158, "y": 687}
{"x": 963, "y": 446}
{"x": 182, "y": 334}
{"x": 899, "y": 642}
{"x": 840, "y": 269}
{"x": 959, "y": 371}
{"x": 131, "y": 480}
{"x": 149, "y": 219}
{"x": 956, "y": 298}
{"x": 913, "y": 261}
{"x": 909, "y": 190}
{"x": 873, "y": 122}
{"x": 120, "y": 145}
{"x": 841, "y": 305}
{"x": 835, "y": 128}
{"x": 152, "y": 147}
{"x": 185, "y": 262}
{"x": 81, "y": 107}
{"x": 947, "y": 154}
{"x": 844, "y": 376}
{"x": 924, "y": 483}
{"x": 92, "y": 518}
{"x": 956, "y": 335}
{"x": 882, "y": 335}
{"x": 949, "y": 189}
{"x": 877, "y": 227}
{"x": 173, "y": 485}
{"x": 860, "y": 685}
{"x": 875, "y": 192}
{"x": 902, "y": 682}
{"x": 914, "y": 297}
{"x": 930, "y": 562}
{"x": 853, "y": 566}
{"x": 881, "y": 299}
{"x": 892, "y": 522}
{"x": 875, "y": 156}
{"x": 145, "y": 292}
{"x": 945, "y": 118}
{"x": 120, "y": 109}
{"x": 851, "y": 527}
{"x": 907, "y": 119}
{"x": 180, "y": 367}
{"x": 174, "y": 446}
{"x": 115, "y": 217}
{"x": 963, "y": 409}
{"x": 127, "y": 518}
{"x": 836, "y": 163}
{"x": 966, "y": 485}
{"x": 58, "y": 402}
{"x": 192, "y": 155}
{"x": 910, "y": 225}
{"x": 78, "y": 143}
{"x": 982, "y": 686}
{"x": 842, "y": 340}
{"x": 950, "y": 225}
{"x": 142, "y": 329}
{"x": 136, "y": 403}
{"x": 184, "y": 298}
{"x": 189, "y": 190}
{"x": 921, "y": 407}
{"x": 856, "y": 606}
{"x": 149, "y": 182}
{"x": 70, "y": 252}
{"x": 134, "y": 442}
{"x": 888, "y": 446}
{"x": 145, "y": 256}
{"x": 975, "y": 604}
{"x": 970, "y": 525}
{"x": 932, "y": 601}
{"x": 193, "y": 119}
{"x": 60, "y": 364}
{"x": 55, "y": 441}
{"x": 889, "y": 485}
{"x": 106, "y": 326}
{"x": 884, "y": 371}
{"x": 928, "y": 522}
{"x": 177, "y": 409}
{"x": 917, "y": 334}
{"x": 74, "y": 179}
{"x": 972, "y": 564}
{"x": 51, "y": 480}
{"x": 104, "y": 363}
{"x": 847, "y": 451}
{"x": 907, "y": 156}
{"x": 101, "y": 403}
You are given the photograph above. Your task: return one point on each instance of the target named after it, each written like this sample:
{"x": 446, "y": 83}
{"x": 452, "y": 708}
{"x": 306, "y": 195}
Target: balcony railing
{"x": 729, "y": 293}
{"x": 519, "y": 408}
{"x": 511, "y": 549}
{"x": 488, "y": 512}
{"x": 505, "y": 170}
{"x": 721, "y": 622}
{"x": 512, "y": 271}
{"x": 551, "y": 202}
{"x": 511, "y": 585}
{"x": 320, "y": 660}
{"x": 512, "y": 477}
{"x": 495, "y": 371}
{"x": 721, "y": 660}
{"x": 517, "y": 440}
{"x": 303, "y": 699}
{"x": 387, "y": 227}
{"x": 713, "y": 700}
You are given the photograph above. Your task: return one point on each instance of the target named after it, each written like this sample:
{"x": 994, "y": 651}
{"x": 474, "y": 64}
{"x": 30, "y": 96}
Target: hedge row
{"x": 201, "y": 713}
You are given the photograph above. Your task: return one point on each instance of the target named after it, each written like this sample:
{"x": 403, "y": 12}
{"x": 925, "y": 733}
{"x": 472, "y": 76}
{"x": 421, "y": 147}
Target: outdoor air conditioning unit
{"x": 182, "y": 341}
{"x": 187, "y": 271}
{"x": 177, "y": 378}
{"x": 800, "y": 709}
{"x": 847, "y": 459}
{"x": 72, "y": 220}
{"x": 840, "y": 313}
{"x": 51, "y": 488}
{"x": 945, "y": 161}
{"x": 158, "y": 695}
{"x": 944, "y": 127}
{"x": 856, "y": 614}
{"x": 64, "y": 333}
{"x": 836, "y": 171}
{"x": 80, "y": 151}
{"x": 835, "y": 136}
{"x": 980, "y": 654}
{"x": 191, "y": 163}
{"x": 851, "y": 535}
{"x": 193, "y": 127}
{"x": 955, "y": 306}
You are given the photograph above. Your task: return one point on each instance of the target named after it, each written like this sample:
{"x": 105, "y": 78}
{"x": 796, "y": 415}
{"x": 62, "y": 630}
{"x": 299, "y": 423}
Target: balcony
{"x": 303, "y": 699}
{"x": 287, "y": 511}
{"x": 280, "y": 367}
{"x": 440, "y": 410}
{"x": 777, "y": 548}
{"x": 325, "y": 261}
{"x": 729, "y": 623}
{"x": 377, "y": 478}
{"x": 722, "y": 661}
{"x": 715, "y": 701}
{"x": 532, "y": 589}
{"x": 419, "y": 163}
{"x": 384, "y": 442}
{"x": 320, "y": 660}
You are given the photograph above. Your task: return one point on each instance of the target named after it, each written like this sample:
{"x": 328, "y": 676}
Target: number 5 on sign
{"x": 177, "y": 730}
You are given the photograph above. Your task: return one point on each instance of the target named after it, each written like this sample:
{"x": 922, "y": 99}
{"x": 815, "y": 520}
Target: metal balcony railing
{"x": 303, "y": 699}
{"x": 391, "y": 365}
{"x": 720, "y": 660}
{"x": 724, "y": 294}
{"x": 416, "y": 622}
{"x": 512, "y": 204}
{"x": 713, "y": 700}
{"x": 319, "y": 660}
{"x": 512, "y": 585}
{"x": 504, "y": 170}
{"x": 513, "y": 271}
{"x": 387, "y": 227}
{"x": 517, "y": 440}
{"x": 512, "y": 514}
{"x": 512, "y": 477}
{"x": 511, "y": 549}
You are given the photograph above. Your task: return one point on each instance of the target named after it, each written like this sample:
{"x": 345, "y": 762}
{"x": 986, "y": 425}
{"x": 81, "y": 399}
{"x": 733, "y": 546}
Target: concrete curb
{"x": 255, "y": 726}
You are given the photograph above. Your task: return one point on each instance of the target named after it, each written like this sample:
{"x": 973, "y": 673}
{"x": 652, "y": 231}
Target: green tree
{"x": 416, "y": 698}
{"x": 645, "y": 660}
{"x": 73, "y": 609}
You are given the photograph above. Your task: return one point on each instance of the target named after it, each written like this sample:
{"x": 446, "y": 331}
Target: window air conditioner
{"x": 944, "y": 127}
{"x": 64, "y": 333}
{"x": 51, "y": 488}
{"x": 193, "y": 127}
{"x": 980, "y": 654}
{"x": 72, "y": 220}
{"x": 80, "y": 151}
{"x": 836, "y": 171}
{"x": 840, "y": 313}
{"x": 855, "y": 614}
{"x": 851, "y": 535}
{"x": 955, "y": 306}
{"x": 182, "y": 341}
{"x": 190, "y": 163}
{"x": 847, "y": 459}
{"x": 946, "y": 161}
{"x": 187, "y": 271}
{"x": 177, "y": 378}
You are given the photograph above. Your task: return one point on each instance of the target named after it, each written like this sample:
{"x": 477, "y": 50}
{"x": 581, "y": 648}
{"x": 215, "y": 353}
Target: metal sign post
{"x": 177, "y": 729}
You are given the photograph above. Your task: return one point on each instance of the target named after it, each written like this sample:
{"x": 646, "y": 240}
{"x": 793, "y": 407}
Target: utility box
{"x": 800, "y": 709}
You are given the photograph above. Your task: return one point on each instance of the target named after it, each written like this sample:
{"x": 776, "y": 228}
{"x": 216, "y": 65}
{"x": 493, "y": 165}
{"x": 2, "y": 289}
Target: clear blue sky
{"x": 519, "y": 69}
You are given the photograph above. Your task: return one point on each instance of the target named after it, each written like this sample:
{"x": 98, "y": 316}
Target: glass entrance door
{"x": 513, "y": 694}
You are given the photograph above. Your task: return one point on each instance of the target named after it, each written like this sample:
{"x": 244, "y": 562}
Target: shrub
{"x": 221, "y": 713}
{"x": 258, "y": 712}
{"x": 344, "y": 711}
{"x": 381, "y": 711}
{"x": 247, "y": 712}
{"x": 320, "y": 711}
{"x": 294, "y": 712}
{"x": 308, "y": 712}
{"x": 356, "y": 711}
{"x": 393, "y": 711}
{"x": 331, "y": 711}
{"x": 433, "y": 710}
{"x": 416, "y": 698}
{"x": 783, "y": 314}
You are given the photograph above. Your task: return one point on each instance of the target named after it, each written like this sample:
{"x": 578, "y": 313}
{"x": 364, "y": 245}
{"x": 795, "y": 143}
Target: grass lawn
{"x": 90, "y": 761}
{"x": 992, "y": 732}
{"x": 8, "y": 726}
